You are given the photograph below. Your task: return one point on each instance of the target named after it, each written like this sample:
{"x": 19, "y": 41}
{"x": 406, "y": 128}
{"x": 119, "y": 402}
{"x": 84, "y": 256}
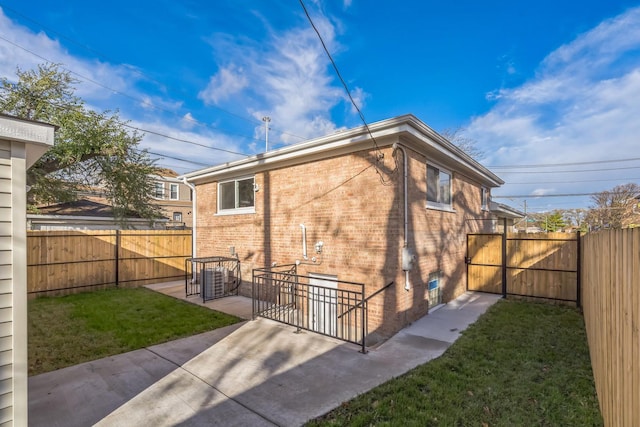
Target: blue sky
{"x": 539, "y": 83}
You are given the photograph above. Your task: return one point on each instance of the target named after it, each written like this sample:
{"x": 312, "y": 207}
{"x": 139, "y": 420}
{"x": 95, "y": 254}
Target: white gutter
{"x": 194, "y": 217}
{"x": 417, "y": 134}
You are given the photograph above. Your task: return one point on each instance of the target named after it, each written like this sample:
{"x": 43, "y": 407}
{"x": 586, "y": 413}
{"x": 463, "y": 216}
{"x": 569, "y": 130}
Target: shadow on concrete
{"x": 262, "y": 373}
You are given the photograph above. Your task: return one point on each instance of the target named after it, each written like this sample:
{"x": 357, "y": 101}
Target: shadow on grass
{"x": 520, "y": 364}
{"x": 72, "y": 329}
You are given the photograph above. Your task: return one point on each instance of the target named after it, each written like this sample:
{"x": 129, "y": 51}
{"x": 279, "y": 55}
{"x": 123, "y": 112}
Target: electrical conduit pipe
{"x": 396, "y": 146}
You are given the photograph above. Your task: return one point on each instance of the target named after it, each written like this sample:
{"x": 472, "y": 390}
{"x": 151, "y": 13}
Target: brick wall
{"x": 344, "y": 203}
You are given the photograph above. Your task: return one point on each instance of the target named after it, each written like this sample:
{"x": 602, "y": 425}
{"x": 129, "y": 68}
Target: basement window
{"x": 236, "y": 196}
{"x": 438, "y": 188}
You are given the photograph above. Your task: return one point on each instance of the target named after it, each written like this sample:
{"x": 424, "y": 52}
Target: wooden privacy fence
{"x": 611, "y": 304}
{"x": 545, "y": 265}
{"x": 61, "y": 262}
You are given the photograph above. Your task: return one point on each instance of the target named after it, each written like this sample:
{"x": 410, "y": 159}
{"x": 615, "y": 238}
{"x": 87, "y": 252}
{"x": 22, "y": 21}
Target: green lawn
{"x": 521, "y": 364}
{"x": 65, "y": 331}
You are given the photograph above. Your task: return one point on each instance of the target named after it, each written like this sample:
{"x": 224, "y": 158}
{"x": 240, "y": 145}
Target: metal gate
{"x": 544, "y": 265}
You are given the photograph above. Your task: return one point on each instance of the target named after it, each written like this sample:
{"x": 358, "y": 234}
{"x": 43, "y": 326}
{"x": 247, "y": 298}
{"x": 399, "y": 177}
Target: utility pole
{"x": 266, "y": 120}
{"x": 526, "y": 220}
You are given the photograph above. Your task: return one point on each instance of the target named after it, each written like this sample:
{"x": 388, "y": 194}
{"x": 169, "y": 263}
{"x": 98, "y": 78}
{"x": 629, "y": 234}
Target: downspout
{"x": 195, "y": 215}
{"x": 405, "y": 249}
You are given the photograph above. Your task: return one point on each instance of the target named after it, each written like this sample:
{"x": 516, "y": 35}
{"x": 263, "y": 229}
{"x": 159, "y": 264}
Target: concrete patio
{"x": 234, "y": 305}
{"x": 254, "y": 373}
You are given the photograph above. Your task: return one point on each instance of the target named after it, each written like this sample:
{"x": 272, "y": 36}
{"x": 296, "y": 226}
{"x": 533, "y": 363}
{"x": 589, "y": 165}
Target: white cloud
{"x": 287, "y": 77}
{"x": 20, "y": 47}
{"x": 359, "y": 97}
{"x": 188, "y": 121}
{"x": 542, "y": 191}
{"x": 142, "y": 108}
{"x": 582, "y": 105}
{"x": 156, "y": 103}
{"x": 221, "y": 147}
{"x": 225, "y": 83}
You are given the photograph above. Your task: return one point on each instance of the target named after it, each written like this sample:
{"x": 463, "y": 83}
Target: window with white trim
{"x": 484, "y": 199}
{"x": 177, "y": 216}
{"x": 173, "y": 192}
{"x": 158, "y": 190}
{"x": 438, "y": 188}
{"x": 236, "y": 196}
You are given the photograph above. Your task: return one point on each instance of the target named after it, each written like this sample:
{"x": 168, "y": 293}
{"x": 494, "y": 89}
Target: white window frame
{"x": 237, "y": 210}
{"x": 484, "y": 198}
{"x": 439, "y": 205}
{"x": 156, "y": 186}
{"x": 171, "y": 187}
{"x": 177, "y": 215}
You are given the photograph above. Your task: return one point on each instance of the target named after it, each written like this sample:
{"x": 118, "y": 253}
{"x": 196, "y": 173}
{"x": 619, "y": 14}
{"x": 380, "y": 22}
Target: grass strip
{"x": 72, "y": 329}
{"x": 520, "y": 364}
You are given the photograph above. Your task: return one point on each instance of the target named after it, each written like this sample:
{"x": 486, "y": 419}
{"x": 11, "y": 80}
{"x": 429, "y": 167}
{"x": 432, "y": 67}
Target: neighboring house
{"x": 503, "y": 212}
{"x": 22, "y": 142}
{"x": 86, "y": 213}
{"x": 364, "y": 197}
{"x": 174, "y": 199}
{"x": 93, "y": 212}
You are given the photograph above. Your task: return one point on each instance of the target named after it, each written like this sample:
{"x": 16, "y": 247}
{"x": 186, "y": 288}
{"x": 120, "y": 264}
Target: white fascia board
{"x": 171, "y": 179}
{"x": 328, "y": 146}
{"x": 38, "y": 137}
{"x": 505, "y": 211}
{"x": 385, "y": 133}
{"x": 447, "y": 153}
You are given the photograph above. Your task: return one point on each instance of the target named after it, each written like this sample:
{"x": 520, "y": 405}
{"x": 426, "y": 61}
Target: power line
{"x": 534, "y": 196}
{"x": 571, "y": 182}
{"x": 186, "y": 141}
{"x": 166, "y": 156}
{"x": 124, "y": 124}
{"x": 133, "y": 98}
{"x": 548, "y": 165}
{"x": 575, "y": 171}
{"x": 344, "y": 84}
{"x": 137, "y": 71}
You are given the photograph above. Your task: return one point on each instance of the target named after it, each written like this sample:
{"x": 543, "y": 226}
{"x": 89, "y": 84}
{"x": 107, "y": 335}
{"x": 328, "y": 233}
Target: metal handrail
{"x": 269, "y": 285}
{"x": 367, "y": 298}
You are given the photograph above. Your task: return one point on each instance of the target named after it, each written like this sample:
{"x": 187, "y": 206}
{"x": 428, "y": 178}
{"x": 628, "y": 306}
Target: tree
{"x": 576, "y": 217}
{"x": 616, "y": 208}
{"x": 468, "y": 145}
{"x": 554, "y": 222}
{"x": 91, "y": 149}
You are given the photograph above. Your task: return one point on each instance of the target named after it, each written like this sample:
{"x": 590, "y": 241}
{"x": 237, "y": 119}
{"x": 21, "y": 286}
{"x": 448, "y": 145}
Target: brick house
{"x": 173, "y": 198}
{"x": 369, "y": 201}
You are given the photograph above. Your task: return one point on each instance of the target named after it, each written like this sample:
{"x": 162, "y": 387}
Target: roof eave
{"x": 349, "y": 141}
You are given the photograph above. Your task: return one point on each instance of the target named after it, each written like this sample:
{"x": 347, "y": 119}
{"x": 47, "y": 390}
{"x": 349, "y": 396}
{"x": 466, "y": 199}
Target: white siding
{"x": 6, "y": 287}
{"x": 22, "y": 142}
{"x": 6, "y": 293}
{"x": 5, "y": 150}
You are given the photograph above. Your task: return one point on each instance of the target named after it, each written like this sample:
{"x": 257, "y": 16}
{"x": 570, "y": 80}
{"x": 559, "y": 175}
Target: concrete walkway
{"x": 254, "y": 373}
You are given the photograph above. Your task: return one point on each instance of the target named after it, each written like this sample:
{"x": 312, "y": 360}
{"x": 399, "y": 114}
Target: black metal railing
{"x": 212, "y": 277}
{"x": 319, "y": 304}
